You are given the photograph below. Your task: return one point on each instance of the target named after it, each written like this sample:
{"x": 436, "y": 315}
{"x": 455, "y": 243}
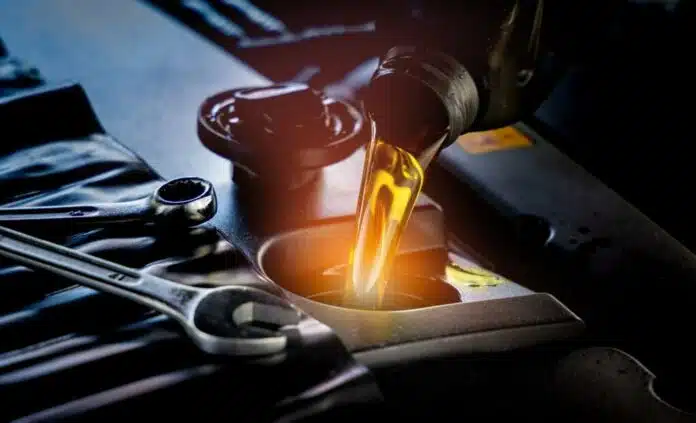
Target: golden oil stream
{"x": 391, "y": 181}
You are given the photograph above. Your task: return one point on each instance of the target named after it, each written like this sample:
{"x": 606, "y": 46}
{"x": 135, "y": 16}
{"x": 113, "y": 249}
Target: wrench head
{"x": 184, "y": 202}
{"x": 241, "y": 320}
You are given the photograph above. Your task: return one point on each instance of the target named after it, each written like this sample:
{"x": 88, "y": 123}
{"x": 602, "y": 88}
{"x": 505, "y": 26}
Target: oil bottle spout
{"x": 426, "y": 95}
{"x": 421, "y": 100}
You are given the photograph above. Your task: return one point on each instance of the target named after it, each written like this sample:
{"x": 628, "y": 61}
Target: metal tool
{"x": 182, "y": 202}
{"x": 231, "y": 320}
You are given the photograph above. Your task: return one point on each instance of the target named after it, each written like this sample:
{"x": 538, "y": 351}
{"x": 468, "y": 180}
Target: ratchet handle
{"x": 163, "y": 295}
{"x": 124, "y": 212}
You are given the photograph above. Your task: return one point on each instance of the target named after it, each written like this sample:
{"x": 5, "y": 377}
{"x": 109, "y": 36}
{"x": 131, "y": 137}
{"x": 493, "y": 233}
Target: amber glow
{"x": 391, "y": 181}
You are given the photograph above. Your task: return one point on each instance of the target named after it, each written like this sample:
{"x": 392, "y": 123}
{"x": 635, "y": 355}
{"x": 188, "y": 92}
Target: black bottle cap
{"x": 281, "y": 135}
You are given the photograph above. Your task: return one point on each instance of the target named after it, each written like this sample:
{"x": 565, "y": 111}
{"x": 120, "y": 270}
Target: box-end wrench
{"x": 182, "y": 202}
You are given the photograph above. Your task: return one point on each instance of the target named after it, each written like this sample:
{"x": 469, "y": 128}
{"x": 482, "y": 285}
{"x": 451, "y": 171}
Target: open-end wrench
{"x": 182, "y": 202}
{"x": 231, "y": 320}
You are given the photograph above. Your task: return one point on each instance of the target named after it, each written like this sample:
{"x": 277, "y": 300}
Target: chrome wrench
{"x": 183, "y": 202}
{"x": 230, "y": 320}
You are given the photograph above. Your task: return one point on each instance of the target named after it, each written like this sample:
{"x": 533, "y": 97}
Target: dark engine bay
{"x": 546, "y": 270}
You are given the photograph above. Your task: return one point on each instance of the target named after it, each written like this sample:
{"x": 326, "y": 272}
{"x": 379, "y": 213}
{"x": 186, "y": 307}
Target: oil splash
{"x": 472, "y": 277}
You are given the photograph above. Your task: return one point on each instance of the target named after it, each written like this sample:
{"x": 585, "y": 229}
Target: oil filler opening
{"x": 310, "y": 267}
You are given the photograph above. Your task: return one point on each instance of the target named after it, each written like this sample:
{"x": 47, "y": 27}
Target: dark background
{"x": 620, "y": 110}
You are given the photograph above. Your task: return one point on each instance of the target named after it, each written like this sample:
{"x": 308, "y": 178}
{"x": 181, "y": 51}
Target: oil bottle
{"x": 420, "y": 100}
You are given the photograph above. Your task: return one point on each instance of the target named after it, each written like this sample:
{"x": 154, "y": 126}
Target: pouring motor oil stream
{"x": 391, "y": 181}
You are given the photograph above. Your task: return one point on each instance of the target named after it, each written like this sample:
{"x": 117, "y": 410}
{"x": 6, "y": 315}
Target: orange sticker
{"x": 505, "y": 138}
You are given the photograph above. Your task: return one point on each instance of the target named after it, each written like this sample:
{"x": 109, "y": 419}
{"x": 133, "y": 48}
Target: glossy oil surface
{"x": 392, "y": 179}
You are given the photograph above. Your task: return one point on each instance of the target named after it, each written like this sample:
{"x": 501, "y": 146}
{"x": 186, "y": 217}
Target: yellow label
{"x": 505, "y": 138}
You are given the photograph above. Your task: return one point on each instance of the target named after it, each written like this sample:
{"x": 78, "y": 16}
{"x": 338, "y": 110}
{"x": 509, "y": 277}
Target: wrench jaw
{"x": 242, "y": 321}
